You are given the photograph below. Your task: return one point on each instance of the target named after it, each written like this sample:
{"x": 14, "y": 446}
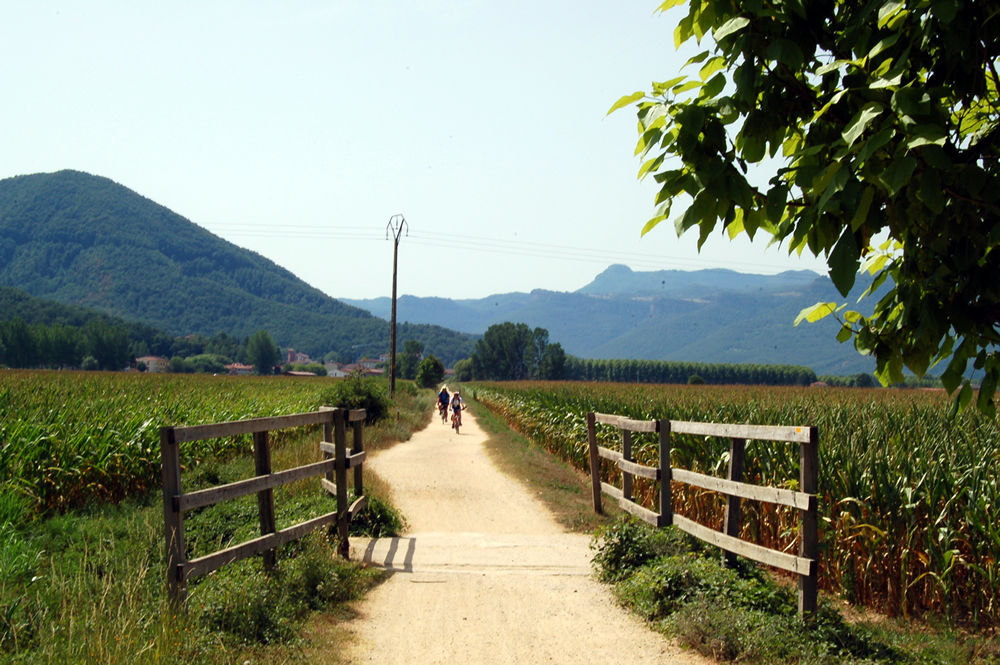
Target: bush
{"x": 378, "y": 519}
{"x": 628, "y": 544}
{"x": 358, "y": 392}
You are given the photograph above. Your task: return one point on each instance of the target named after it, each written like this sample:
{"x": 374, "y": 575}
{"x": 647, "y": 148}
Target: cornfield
{"x": 72, "y": 438}
{"x": 909, "y": 498}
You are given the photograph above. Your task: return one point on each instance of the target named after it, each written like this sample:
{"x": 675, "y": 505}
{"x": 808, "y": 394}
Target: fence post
{"x": 595, "y": 461}
{"x": 666, "y": 505}
{"x": 358, "y": 447}
{"x": 340, "y": 467}
{"x": 737, "y": 455}
{"x": 328, "y": 437}
{"x": 265, "y": 498}
{"x": 627, "y": 456}
{"x": 173, "y": 518}
{"x": 809, "y": 538}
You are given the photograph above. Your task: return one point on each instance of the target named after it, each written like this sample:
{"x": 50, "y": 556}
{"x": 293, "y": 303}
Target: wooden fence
{"x": 334, "y": 466}
{"x": 804, "y": 565}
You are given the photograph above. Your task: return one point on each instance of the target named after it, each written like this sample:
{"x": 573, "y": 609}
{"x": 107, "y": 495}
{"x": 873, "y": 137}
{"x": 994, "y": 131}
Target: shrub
{"x": 358, "y": 392}
{"x": 628, "y": 544}
{"x": 378, "y": 519}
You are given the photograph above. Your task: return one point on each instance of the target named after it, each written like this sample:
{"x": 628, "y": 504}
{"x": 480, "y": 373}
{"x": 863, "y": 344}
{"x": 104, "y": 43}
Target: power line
{"x": 447, "y": 240}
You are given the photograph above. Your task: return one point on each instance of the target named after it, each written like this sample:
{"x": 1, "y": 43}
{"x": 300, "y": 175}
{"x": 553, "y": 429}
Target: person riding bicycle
{"x": 443, "y": 399}
{"x": 456, "y": 408}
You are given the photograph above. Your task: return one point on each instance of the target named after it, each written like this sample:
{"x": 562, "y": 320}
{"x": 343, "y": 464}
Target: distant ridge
{"x": 712, "y": 316}
{"x": 622, "y": 280}
{"x": 85, "y": 240}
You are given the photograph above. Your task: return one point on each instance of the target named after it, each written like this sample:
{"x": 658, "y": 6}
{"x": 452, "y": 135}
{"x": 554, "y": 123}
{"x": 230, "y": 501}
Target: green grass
{"x": 565, "y": 491}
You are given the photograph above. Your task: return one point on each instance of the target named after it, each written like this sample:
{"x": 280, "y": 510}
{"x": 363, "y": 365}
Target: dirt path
{"x": 485, "y": 575}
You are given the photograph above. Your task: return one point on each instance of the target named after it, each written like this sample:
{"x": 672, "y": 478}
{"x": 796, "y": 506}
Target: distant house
{"x": 154, "y": 364}
{"x": 369, "y": 363}
{"x": 335, "y": 370}
{"x": 297, "y": 358}
{"x": 296, "y": 373}
{"x": 239, "y": 368}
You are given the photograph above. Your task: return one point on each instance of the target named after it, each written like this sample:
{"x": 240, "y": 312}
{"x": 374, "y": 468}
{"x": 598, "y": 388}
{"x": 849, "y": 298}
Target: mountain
{"x": 85, "y": 240}
{"x": 699, "y": 316}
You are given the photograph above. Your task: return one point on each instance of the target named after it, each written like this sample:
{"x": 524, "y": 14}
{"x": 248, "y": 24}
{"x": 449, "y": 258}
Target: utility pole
{"x": 395, "y": 226}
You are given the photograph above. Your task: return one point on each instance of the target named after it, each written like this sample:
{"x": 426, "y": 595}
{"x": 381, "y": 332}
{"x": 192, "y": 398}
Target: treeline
{"x": 98, "y": 344}
{"x": 95, "y": 345}
{"x": 665, "y": 371}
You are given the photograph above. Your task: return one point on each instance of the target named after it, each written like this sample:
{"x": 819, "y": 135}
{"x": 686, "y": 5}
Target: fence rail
{"x": 333, "y": 467}
{"x": 804, "y": 500}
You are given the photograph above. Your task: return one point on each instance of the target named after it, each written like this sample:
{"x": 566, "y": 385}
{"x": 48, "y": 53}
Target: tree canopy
{"x": 864, "y": 132}
{"x": 513, "y": 351}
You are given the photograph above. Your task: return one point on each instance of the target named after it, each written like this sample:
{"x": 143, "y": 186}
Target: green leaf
{"x": 926, "y": 135}
{"x": 650, "y": 165}
{"x": 627, "y": 100}
{"x": 735, "y": 227}
{"x": 662, "y": 87}
{"x": 695, "y": 59}
{"x": 843, "y": 262}
{"x": 861, "y": 213}
{"x": 669, "y": 4}
{"x": 859, "y": 123}
{"x": 871, "y": 145}
{"x": 651, "y": 224}
{"x": 845, "y": 333}
{"x": 682, "y": 32}
{"x": 713, "y": 87}
{"x": 684, "y": 87}
{"x": 712, "y": 66}
{"x": 826, "y": 107}
{"x": 816, "y": 312}
{"x": 911, "y": 101}
{"x": 898, "y": 174}
{"x": 730, "y": 27}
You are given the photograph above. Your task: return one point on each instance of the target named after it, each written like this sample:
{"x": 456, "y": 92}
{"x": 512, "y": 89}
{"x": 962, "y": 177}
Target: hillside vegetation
{"x": 85, "y": 240}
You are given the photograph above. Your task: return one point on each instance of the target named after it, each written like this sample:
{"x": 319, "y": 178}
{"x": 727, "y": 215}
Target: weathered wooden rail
{"x": 804, "y": 565}
{"x": 334, "y": 466}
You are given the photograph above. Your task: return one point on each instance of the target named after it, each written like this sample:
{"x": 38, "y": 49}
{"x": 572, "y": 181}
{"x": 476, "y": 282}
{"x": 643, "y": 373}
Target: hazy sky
{"x": 296, "y": 129}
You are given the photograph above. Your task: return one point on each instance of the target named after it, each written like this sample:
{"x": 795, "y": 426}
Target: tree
{"x": 876, "y": 128}
{"x": 430, "y": 372}
{"x": 262, "y": 352}
{"x": 553, "y": 363}
{"x": 464, "y": 370}
{"x": 409, "y": 359}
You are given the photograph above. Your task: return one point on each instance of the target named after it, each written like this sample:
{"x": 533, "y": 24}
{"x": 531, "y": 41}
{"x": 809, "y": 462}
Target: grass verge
{"x": 565, "y": 491}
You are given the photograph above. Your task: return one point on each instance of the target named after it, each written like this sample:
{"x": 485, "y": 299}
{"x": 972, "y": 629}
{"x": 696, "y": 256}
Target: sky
{"x": 297, "y": 130}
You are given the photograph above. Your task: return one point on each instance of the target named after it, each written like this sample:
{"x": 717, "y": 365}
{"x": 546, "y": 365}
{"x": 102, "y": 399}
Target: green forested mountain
{"x": 85, "y": 240}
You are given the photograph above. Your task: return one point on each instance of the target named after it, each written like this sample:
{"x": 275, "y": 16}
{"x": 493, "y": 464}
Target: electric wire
{"x": 448, "y": 240}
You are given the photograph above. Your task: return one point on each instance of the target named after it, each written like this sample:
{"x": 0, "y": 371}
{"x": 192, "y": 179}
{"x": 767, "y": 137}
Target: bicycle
{"x": 456, "y": 420}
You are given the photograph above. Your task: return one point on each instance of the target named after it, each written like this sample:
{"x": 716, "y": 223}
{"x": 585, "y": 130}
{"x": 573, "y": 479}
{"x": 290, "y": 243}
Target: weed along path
{"x": 485, "y": 574}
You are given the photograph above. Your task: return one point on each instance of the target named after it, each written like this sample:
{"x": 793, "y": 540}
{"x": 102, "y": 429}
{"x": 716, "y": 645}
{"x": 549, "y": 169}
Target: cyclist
{"x": 456, "y": 409}
{"x": 443, "y": 399}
